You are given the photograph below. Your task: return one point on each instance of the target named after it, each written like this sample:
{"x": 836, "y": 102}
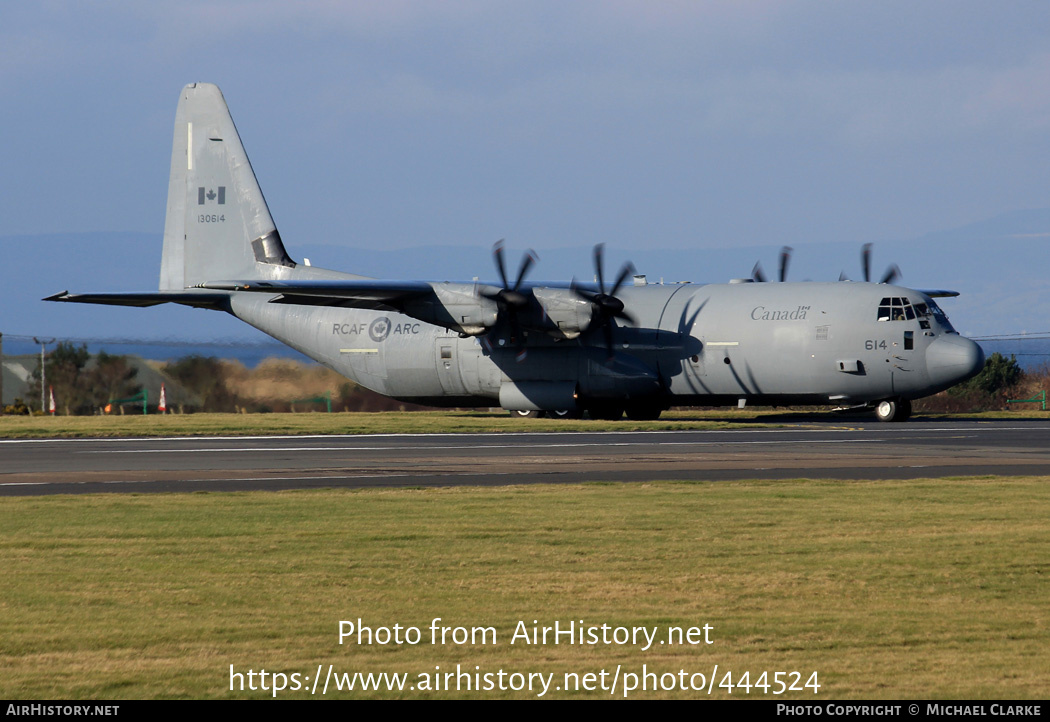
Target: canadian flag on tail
{"x": 51, "y": 405}
{"x": 162, "y": 407}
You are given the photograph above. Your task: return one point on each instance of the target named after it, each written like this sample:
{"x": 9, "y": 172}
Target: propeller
{"x": 509, "y": 299}
{"x": 893, "y": 271}
{"x": 605, "y": 303}
{"x": 785, "y": 257}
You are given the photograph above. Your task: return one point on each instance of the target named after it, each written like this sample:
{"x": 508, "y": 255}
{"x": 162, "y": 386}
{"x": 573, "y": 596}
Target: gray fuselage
{"x": 714, "y": 344}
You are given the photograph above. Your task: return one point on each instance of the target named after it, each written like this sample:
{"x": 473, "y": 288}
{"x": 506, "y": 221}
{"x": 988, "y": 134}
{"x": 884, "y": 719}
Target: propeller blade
{"x": 599, "y": 252}
{"x": 785, "y": 256}
{"x": 627, "y": 270}
{"x": 865, "y": 261}
{"x": 892, "y": 274}
{"x": 497, "y": 251}
{"x": 756, "y": 273}
{"x": 624, "y": 316}
{"x": 586, "y": 296}
{"x": 606, "y": 306}
{"x": 526, "y": 264}
{"x": 510, "y": 300}
{"x": 509, "y": 297}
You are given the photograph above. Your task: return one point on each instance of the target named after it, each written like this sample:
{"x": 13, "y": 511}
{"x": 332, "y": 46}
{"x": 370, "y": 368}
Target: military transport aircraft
{"x": 531, "y": 347}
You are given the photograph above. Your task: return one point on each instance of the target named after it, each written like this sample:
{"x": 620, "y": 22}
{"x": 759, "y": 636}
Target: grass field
{"x": 416, "y": 422}
{"x": 917, "y": 589}
{"x": 383, "y": 422}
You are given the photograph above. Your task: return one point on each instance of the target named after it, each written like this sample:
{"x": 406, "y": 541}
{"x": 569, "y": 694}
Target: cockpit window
{"x": 900, "y": 308}
{"x": 884, "y": 309}
{"x": 896, "y": 309}
{"x": 941, "y": 317}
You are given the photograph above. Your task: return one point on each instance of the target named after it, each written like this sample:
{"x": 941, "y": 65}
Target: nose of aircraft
{"x": 952, "y": 359}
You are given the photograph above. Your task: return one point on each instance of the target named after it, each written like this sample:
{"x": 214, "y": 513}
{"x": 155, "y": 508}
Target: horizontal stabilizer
{"x": 215, "y": 301}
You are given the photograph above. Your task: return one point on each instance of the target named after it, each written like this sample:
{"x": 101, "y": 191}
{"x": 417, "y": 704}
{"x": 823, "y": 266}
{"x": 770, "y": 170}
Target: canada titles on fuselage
{"x": 761, "y": 313}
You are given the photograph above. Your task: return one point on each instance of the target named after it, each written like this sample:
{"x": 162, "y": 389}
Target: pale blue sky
{"x": 670, "y": 124}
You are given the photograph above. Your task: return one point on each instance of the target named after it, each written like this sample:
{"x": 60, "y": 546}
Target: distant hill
{"x": 999, "y": 265}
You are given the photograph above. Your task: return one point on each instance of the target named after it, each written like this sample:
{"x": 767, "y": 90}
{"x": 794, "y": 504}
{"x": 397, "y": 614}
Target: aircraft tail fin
{"x": 217, "y": 225}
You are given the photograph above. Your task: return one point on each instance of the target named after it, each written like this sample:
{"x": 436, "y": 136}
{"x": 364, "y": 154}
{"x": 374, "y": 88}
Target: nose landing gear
{"x": 893, "y": 410}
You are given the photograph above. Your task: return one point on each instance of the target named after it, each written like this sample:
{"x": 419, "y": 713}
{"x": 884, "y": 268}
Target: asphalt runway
{"x": 820, "y": 450}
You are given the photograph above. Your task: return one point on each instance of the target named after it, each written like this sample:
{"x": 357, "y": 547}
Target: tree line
{"x": 84, "y": 384}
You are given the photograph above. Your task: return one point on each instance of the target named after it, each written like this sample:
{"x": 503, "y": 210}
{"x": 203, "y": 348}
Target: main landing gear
{"x": 612, "y": 412}
{"x": 564, "y": 414}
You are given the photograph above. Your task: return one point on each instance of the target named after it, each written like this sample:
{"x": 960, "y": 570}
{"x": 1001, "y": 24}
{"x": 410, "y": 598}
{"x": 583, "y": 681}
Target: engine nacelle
{"x": 566, "y": 315}
{"x": 455, "y": 309}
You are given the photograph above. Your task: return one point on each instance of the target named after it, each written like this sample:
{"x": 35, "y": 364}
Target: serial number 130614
{"x": 211, "y": 218}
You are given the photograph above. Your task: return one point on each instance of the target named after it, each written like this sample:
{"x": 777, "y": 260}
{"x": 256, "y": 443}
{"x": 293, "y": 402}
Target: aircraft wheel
{"x": 644, "y": 412}
{"x": 526, "y": 414}
{"x": 893, "y": 410}
{"x": 607, "y": 413}
{"x": 564, "y": 414}
{"x": 905, "y": 409}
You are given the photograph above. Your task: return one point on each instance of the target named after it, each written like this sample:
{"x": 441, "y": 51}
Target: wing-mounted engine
{"x": 516, "y": 306}
{"x": 605, "y": 306}
{"x": 565, "y": 315}
{"x": 457, "y": 307}
{"x": 561, "y": 313}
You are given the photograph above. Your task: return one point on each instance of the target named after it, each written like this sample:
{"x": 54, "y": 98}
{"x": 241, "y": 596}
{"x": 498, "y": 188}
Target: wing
{"x": 373, "y": 294}
{"x": 215, "y": 301}
{"x": 938, "y": 293}
{"x": 381, "y": 295}
{"x": 467, "y": 308}
{"x": 456, "y": 306}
